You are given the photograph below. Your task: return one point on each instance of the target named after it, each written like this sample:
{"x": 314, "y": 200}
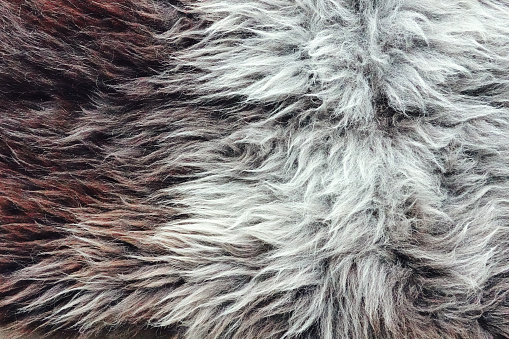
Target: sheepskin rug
{"x": 254, "y": 169}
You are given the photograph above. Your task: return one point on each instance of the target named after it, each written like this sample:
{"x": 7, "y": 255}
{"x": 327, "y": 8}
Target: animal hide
{"x": 254, "y": 168}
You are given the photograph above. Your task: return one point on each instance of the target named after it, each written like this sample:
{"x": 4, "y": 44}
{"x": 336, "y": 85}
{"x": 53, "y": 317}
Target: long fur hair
{"x": 255, "y": 168}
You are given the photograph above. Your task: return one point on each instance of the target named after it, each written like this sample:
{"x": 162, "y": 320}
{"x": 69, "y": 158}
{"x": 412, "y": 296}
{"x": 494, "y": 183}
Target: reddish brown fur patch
{"x": 77, "y": 169}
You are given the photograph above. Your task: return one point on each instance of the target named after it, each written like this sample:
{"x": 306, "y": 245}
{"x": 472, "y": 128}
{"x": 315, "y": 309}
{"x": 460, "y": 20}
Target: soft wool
{"x": 255, "y": 168}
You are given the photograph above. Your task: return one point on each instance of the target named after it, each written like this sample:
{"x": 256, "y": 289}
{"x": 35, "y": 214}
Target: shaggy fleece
{"x": 255, "y": 168}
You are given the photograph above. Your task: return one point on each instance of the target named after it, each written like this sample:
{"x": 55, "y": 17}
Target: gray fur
{"x": 348, "y": 177}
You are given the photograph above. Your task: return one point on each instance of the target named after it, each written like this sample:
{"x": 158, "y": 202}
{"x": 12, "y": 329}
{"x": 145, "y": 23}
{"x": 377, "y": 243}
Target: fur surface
{"x": 255, "y": 169}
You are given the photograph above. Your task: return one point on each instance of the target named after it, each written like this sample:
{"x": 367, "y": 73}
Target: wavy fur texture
{"x": 254, "y": 169}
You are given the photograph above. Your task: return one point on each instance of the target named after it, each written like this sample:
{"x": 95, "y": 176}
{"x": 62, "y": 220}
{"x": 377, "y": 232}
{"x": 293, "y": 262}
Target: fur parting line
{"x": 240, "y": 169}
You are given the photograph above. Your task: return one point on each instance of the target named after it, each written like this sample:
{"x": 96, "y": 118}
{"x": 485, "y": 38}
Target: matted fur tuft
{"x": 255, "y": 169}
